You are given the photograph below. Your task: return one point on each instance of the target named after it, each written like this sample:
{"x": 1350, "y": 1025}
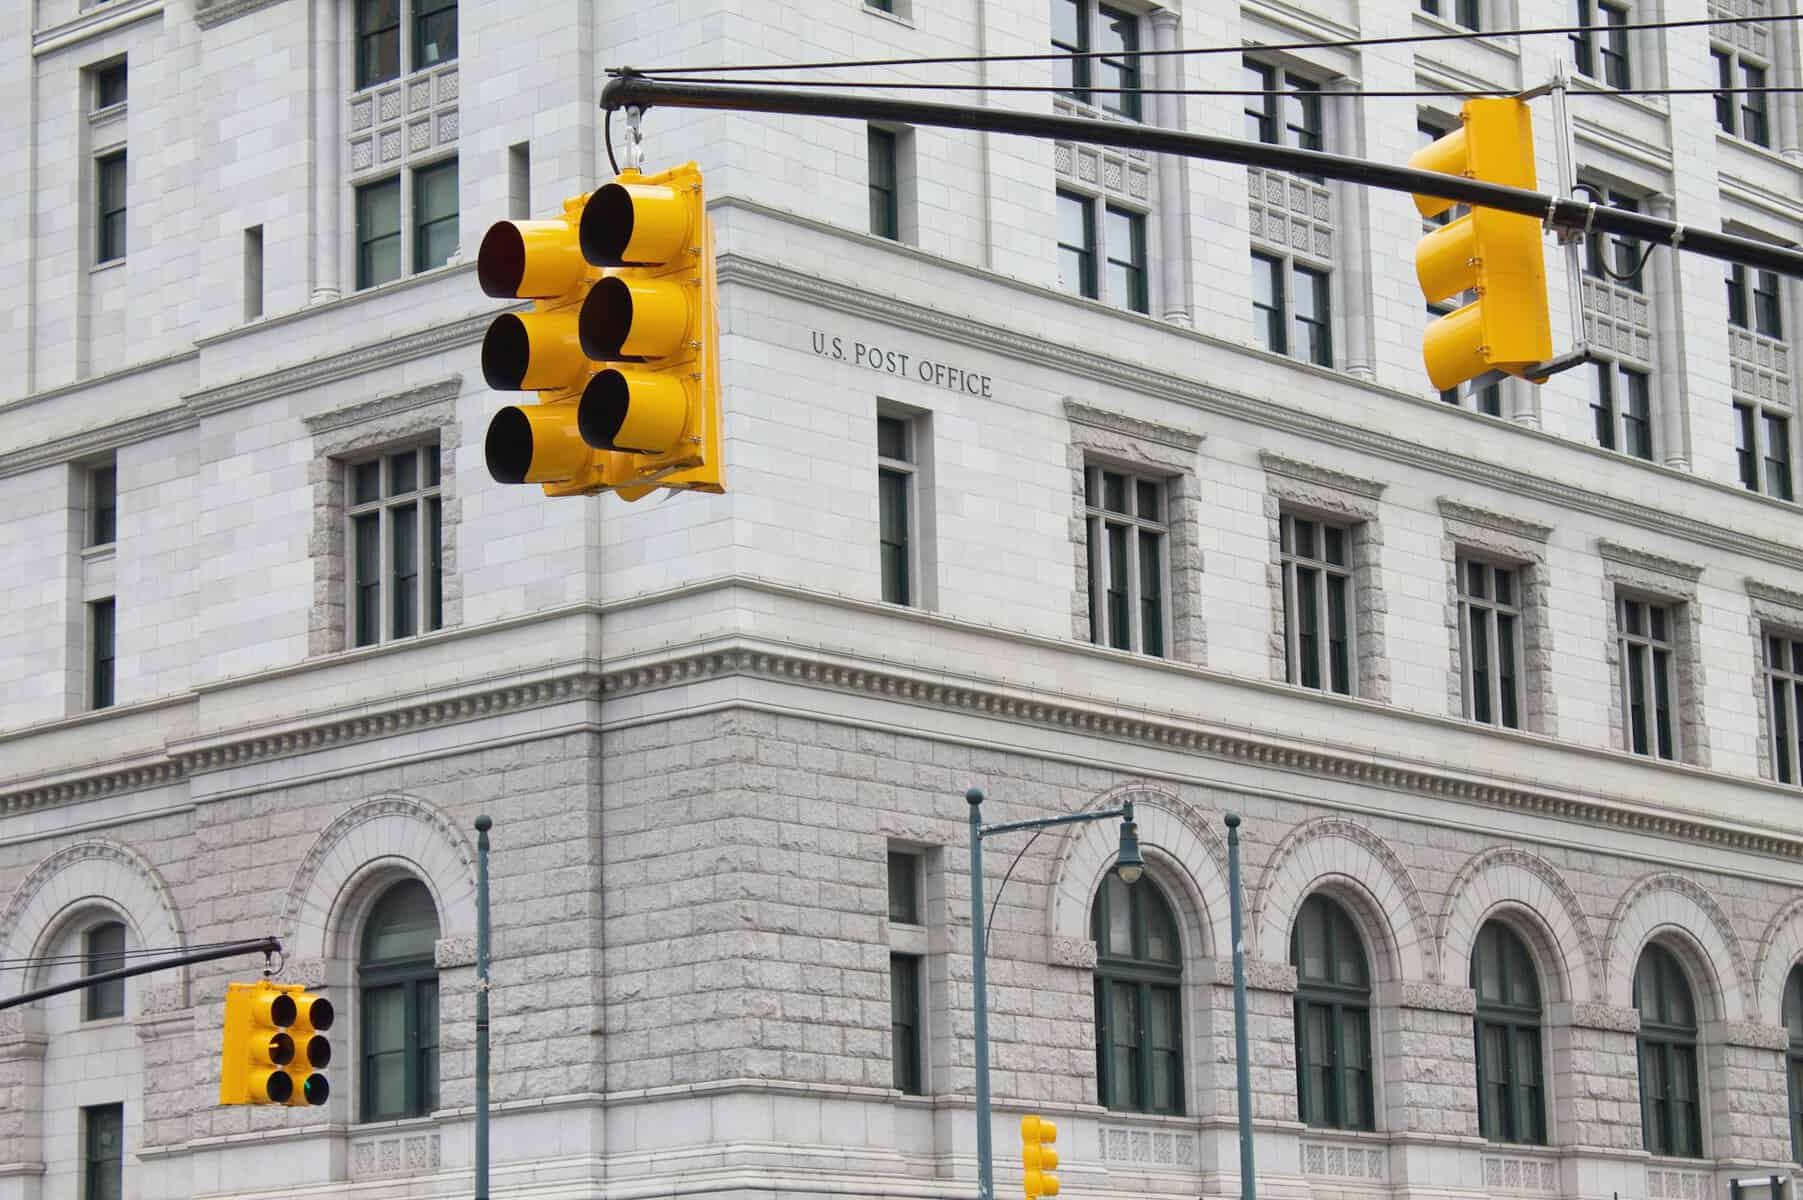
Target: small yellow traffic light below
{"x": 273, "y": 1045}
{"x": 1496, "y": 254}
{"x": 653, "y": 322}
{"x": 313, "y": 1016}
{"x": 1038, "y": 1159}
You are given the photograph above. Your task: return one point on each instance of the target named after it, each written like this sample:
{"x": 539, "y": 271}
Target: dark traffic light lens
{"x": 320, "y": 1013}
{"x": 316, "y": 1089}
{"x": 607, "y": 226}
{"x": 319, "y": 1053}
{"x": 602, "y": 410}
{"x": 505, "y": 351}
{"x": 501, "y": 262}
{"x": 606, "y": 319}
{"x": 281, "y": 1049}
{"x": 509, "y": 446}
{"x": 280, "y": 1087}
{"x": 281, "y": 1010}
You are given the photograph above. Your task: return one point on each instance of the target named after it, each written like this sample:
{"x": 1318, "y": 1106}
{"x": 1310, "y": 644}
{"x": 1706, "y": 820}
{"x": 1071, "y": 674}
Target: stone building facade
{"x": 1076, "y": 475}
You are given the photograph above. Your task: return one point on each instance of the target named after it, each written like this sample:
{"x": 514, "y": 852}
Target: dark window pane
{"x": 1746, "y": 450}
{"x": 1119, "y": 633}
{"x": 1070, "y": 33}
{"x": 1261, "y": 111}
{"x": 1151, "y": 597}
{"x": 366, "y": 582}
{"x": 1737, "y": 295}
{"x": 104, "y": 498}
{"x": 378, "y": 41}
{"x": 434, "y": 215}
{"x": 434, "y": 32}
{"x": 1124, "y": 234}
{"x": 1267, "y": 303}
{"x": 110, "y": 184}
{"x": 100, "y": 666}
{"x": 379, "y": 233}
{"x": 1119, "y": 68}
{"x": 103, "y": 1152}
{"x": 885, "y": 220}
{"x": 1076, "y": 245}
{"x": 103, "y": 949}
{"x": 1314, "y": 340}
{"x": 1754, "y": 125}
{"x": 1602, "y": 404}
{"x": 904, "y": 887}
{"x": 1636, "y": 418}
{"x": 109, "y": 86}
{"x": 1767, "y": 311}
{"x": 1724, "y": 99}
{"x": 1777, "y": 457}
{"x": 892, "y": 518}
{"x": 904, "y": 1021}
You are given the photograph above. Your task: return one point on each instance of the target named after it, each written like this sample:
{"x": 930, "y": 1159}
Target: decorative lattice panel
{"x": 1343, "y": 1162}
{"x": 1148, "y": 1147}
{"x": 392, "y": 123}
{"x": 1520, "y": 1174}
{"x": 1289, "y": 213}
{"x": 1619, "y": 320}
{"x": 1754, "y": 38}
{"x": 1761, "y": 367}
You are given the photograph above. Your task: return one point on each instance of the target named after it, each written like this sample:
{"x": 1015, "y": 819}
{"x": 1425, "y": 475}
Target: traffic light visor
{"x": 538, "y": 443}
{"x": 532, "y": 351}
{"x": 1446, "y": 154}
{"x": 635, "y": 319}
{"x": 633, "y": 411}
{"x": 528, "y": 259}
{"x": 634, "y": 225}
{"x": 1038, "y": 1129}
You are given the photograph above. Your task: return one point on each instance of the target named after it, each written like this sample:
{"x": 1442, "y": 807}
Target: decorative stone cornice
{"x": 1132, "y": 427}
{"x": 364, "y": 411}
{"x": 91, "y": 443}
{"x": 688, "y": 665}
{"x": 1646, "y": 560}
{"x": 218, "y": 12}
{"x": 1318, "y": 476}
{"x": 1703, "y": 898}
{"x": 1772, "y": 594}
{"x": 1458, "y": 510}
{"x": 1262, "y": 974}
{"x": 1432, "y": 997}
{"x": 1753, "y": 1034}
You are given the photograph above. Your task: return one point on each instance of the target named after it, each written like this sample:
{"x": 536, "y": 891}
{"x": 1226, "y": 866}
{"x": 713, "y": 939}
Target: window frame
{"x": 1675, "y": 1047}
{"x": 1145, "y": 979}
{"x": 1625, "y": 424}
{"x": 408, "y": 32}
{"x": 1613, "y": 49}
{"x": 898, "y": 474}
{"x": 1658, "y": 655}
{"x": 103, "y": 634}
{"x": 111, "y": 86}
{"x": 906, "y": 1027}
{"x": 409, "y": 976}
{"x": 419, "y": 224}
{"x": 112, "y": 205}
{"x": 1745, "y": 116}
{"x": 1095, "y": 64}
{"x": 102, "y": 524}
{"x": 102, "y": 1174}
{"x": 1097, "y": 259}
{"x": 1489, "y": 613}
{"x": 1792, "y": 1011}
{"x": 1784, "y": 721}
{"x": 1521, "y": 1120}
{"x": 103, "y": 1001}
{"x": 427, "y": 500}
{"x": 1098, "y": 520}
{"x": 1342, "y": 1003}
{"x": 882, "y": 146}
{"x": 1323, "y": 573}
{"x": 364, "y": 197}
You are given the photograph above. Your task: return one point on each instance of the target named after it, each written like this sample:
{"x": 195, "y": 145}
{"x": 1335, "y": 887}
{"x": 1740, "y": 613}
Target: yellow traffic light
{"x": 539, "y": 351}
{"x": 258, "y": 1047}
{"x": 1038, "y": 1159}
{"x": 1497, "y": 254}
{"x": 653, "y": 321}
{"x": 313, "y": 1016}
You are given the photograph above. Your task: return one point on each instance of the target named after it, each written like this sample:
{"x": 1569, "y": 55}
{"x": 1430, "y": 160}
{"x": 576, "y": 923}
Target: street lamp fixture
{"x": 1129, "y": 864}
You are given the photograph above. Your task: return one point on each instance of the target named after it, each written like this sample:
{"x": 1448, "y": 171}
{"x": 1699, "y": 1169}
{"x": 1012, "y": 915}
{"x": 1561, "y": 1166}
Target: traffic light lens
{"x": 279, "y": 1087}
{"x": 639, "y": 412}
{"x": 281, "y": 1010}
{"x": 607, "y": 226}
{"x": 281, "y": 1050}
{"x": 506, "y": 348}
{"x": 501, "y": 262}
{"x": 606, "y": 319}
{"x": 316, "y": 1089}
{"x": 320, "y": 1014}
{"x": 319, "y": 1053}
{"x": 509, "y": 446}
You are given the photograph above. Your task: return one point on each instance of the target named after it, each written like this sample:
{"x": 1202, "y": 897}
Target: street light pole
{"x": 1130, "y": 865}
{"x": 1243, "y": 1065}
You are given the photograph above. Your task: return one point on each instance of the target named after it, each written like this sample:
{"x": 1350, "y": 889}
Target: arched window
{"x": 1510, "y": 1106}
{"x": 1793, "y": 1060}
{"x": 1670, "y": 1118}
{"x": 103, "y": 949}
{"x": 397, "y": 982}
{"x": 1333, "y": 1018}
{"x": 1139, "y": 1042}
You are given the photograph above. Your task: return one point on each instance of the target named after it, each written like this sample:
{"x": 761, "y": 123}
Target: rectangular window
{"x": 1777, "y": 456}
{"x": 1268, "y": 303}
{"x": 103, "y": 1152}
{"x": 378, "y": 41}
{"x": 434, "y": 215}
{"x": 379, "y": 233}
{"x": 395, "y": 518}
{"x": 904, "y": 1022}
{"x": 103, "y": 505}
{"x": 1127, "y": 568}
{"x": 1118, "y": 67}
{"x": 109, "y": 205}
{"x": 1070, "y": 34}
{"x": 904, "y": 887}
{"x": 1124, "y": 236}
{"x": 1261, "y": 110}
{"x": 1317, "y": 603}
{"x": 885, "y": 208}
{"x": 253, "y": 272}
{"x": 1490, "y": 642}
{"x": 519, "y": 181}
{"x": 1754, "y": 301}
{"x": 1644, "y": 630}
{"x": 1784, "y": 676}
{"x": 1601, "y": 51}
{"x": 895, "y": 507}
{"x": 1620, "y": 407}
{"x": 1754, "y": 125}
{"x": 1746, "y": 446}
{"x": 100, "y": 653}
{"x": 109, "y": 85}
{"x": 400, "y": 1049}
{"x": 1314, "y": 337}
{"x": 1615, "y": 257}
{"x": 434, "y": 32}
{"x": 1077, "y": 245}
{"x": 103, "y": 949}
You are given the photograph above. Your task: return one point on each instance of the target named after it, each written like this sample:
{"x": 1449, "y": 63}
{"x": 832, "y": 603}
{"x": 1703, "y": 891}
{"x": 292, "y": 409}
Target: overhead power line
{"x": 1333, "y": 44}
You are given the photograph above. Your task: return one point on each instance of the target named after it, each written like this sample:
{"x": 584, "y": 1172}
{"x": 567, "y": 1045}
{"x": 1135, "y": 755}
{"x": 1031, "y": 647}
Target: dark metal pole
{"x": 254, "y": 946}
{"x": 483, "y": 825}
{"x": 980, "y": 998}
{"x": 1243, "y": 1067}
{"x": 629, "y": 90}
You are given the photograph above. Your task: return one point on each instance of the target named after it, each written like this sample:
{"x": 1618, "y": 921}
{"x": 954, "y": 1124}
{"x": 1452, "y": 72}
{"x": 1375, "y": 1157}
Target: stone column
{"x": 328, "y": 154}
{"x": 1352, "y": 230}
{"x": 1173, "y": 197}
{"x": 1669, "y": 355}
{"x": 1271, "y": 1038}
{"x": 22, "y": 1046}
{"x": 1594, "y": 1091}
{"x": 1749, "y": 1125}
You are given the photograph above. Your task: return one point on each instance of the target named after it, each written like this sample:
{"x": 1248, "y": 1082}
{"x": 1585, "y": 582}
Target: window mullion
{"x": 1136, "y": 638}
{"x": 1491, "y": 639}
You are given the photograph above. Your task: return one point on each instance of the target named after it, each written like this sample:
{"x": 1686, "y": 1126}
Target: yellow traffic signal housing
{"x": 1038, "y": 1159}
{"x": 257, "y": 1046}
{"x": 313, "y": 1016}
{"x": 1497, "y": 254}
{"x": 539, "y": 351}
{"x": 653, "y": 321}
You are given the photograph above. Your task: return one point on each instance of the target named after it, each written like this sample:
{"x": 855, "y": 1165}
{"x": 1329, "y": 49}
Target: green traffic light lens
{"x": 316, "y": 1089}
